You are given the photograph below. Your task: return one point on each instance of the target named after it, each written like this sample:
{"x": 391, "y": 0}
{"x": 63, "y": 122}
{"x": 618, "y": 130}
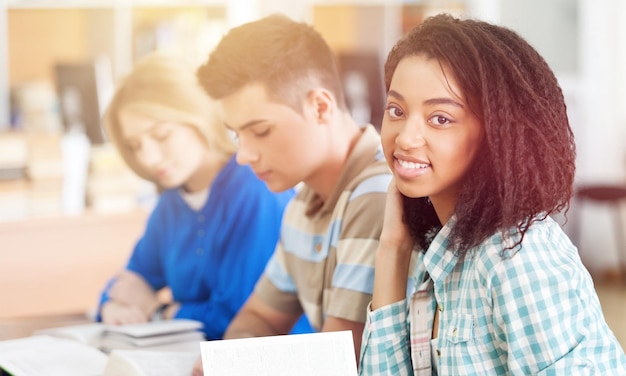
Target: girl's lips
{"x": 408, "y": 159}
{"x": 409, "y": 169}
{"x": 411, "y": 165}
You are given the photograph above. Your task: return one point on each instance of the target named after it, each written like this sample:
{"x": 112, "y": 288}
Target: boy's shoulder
{"x": 367, "y": 162}
{"x": 376, "y": 172}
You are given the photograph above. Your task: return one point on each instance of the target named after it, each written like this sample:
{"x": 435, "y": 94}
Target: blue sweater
{"x": 211, "y": 258}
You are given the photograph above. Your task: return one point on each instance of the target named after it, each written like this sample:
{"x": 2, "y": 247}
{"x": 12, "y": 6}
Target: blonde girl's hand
{"x": 132, "y": 290}
{"x": 115, "y": 313}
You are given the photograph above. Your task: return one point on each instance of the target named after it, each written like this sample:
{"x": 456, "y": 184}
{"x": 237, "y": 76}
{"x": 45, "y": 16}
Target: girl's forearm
{"x": 391, "y": 275}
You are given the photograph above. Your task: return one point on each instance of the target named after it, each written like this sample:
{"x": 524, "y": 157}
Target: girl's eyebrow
{"x": 448, "y": 101}
{"x": 395, "y": 94}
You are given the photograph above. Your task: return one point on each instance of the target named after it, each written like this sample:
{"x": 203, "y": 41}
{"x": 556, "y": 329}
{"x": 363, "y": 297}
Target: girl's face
{"x": 429, "y": 134}
{"x": 171, "y": 153}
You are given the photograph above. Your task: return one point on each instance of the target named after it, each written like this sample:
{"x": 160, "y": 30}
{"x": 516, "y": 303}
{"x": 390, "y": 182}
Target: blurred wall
{"x": 583, "y": 40}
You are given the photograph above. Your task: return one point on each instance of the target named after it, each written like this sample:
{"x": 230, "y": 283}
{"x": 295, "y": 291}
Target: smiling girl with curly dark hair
{"x": 477, "y": 135}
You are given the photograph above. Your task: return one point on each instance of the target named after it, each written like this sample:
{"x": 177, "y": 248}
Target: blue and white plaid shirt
{"x": 530, "y": 312}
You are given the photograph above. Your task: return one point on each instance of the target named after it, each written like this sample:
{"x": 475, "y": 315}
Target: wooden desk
{"x": 24, "y": 327}
{"x": 58, "y": 266}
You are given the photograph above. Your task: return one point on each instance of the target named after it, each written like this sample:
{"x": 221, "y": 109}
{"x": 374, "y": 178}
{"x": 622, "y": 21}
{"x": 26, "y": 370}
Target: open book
{"x": 167, "y": 347}
{"x": 50, "y": 356}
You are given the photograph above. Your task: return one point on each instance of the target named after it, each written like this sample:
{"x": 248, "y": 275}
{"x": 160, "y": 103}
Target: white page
{"x": 151, "y": 363}
{"x": 119, "y": 341}
{"x": 193, "y": 346}
{"x": 49, "y": 356}
{"x": 153, "y": 328}
{"x": 316, "y": 354}
{"x": 88, "y": 334}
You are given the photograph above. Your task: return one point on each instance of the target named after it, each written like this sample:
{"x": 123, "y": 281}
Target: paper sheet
{"x": 328, "y": 354}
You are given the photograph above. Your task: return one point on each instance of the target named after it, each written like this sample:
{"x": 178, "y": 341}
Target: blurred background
{"x": 60, "y": 60}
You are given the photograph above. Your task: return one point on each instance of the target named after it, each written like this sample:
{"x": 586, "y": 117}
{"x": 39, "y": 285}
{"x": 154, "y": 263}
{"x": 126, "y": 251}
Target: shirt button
{"x": 438, "y": 353}
{"x": 201, "y": 218}
{"x": 199, "y": 251}
{"x": 454, "y": 332}
{"x": 440, "y": 307}
{"x": 200, "y": 233}
{"x": 318, "y": 247}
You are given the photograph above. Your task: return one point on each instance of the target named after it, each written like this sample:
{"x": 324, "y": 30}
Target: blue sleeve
{"x": 145, "y": 259}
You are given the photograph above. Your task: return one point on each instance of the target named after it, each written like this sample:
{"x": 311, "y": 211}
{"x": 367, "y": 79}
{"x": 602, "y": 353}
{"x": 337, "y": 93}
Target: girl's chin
{"x": 414, "y": 196}
{"x": 410, "y": 191}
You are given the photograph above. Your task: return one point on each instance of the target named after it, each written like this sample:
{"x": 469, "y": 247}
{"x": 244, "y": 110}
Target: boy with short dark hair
{"x": 280, "y": 91}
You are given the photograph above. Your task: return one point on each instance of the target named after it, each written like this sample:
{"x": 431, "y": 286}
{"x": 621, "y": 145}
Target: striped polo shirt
{"x": 324, "y": 262}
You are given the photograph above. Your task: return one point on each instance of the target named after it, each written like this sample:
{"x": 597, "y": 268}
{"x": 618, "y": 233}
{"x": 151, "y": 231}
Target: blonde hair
{"x": 166, "y": 88}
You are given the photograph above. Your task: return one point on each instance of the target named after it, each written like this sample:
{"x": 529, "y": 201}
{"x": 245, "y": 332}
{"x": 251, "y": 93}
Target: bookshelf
{"x": 77, "y": 30}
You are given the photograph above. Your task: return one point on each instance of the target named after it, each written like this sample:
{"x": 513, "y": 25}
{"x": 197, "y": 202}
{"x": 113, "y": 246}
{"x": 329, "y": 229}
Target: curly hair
{"x": 285, "y": 56}
{"x": 525, "y": 169}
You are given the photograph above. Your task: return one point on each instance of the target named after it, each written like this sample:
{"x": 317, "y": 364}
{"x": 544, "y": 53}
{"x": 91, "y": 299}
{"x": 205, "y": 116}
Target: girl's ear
{"x": 323, "y": 104}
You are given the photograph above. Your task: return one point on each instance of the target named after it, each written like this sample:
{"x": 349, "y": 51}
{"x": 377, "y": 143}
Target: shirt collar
{"x": 439, "y": 261}
{"x": 366, "y": 149}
